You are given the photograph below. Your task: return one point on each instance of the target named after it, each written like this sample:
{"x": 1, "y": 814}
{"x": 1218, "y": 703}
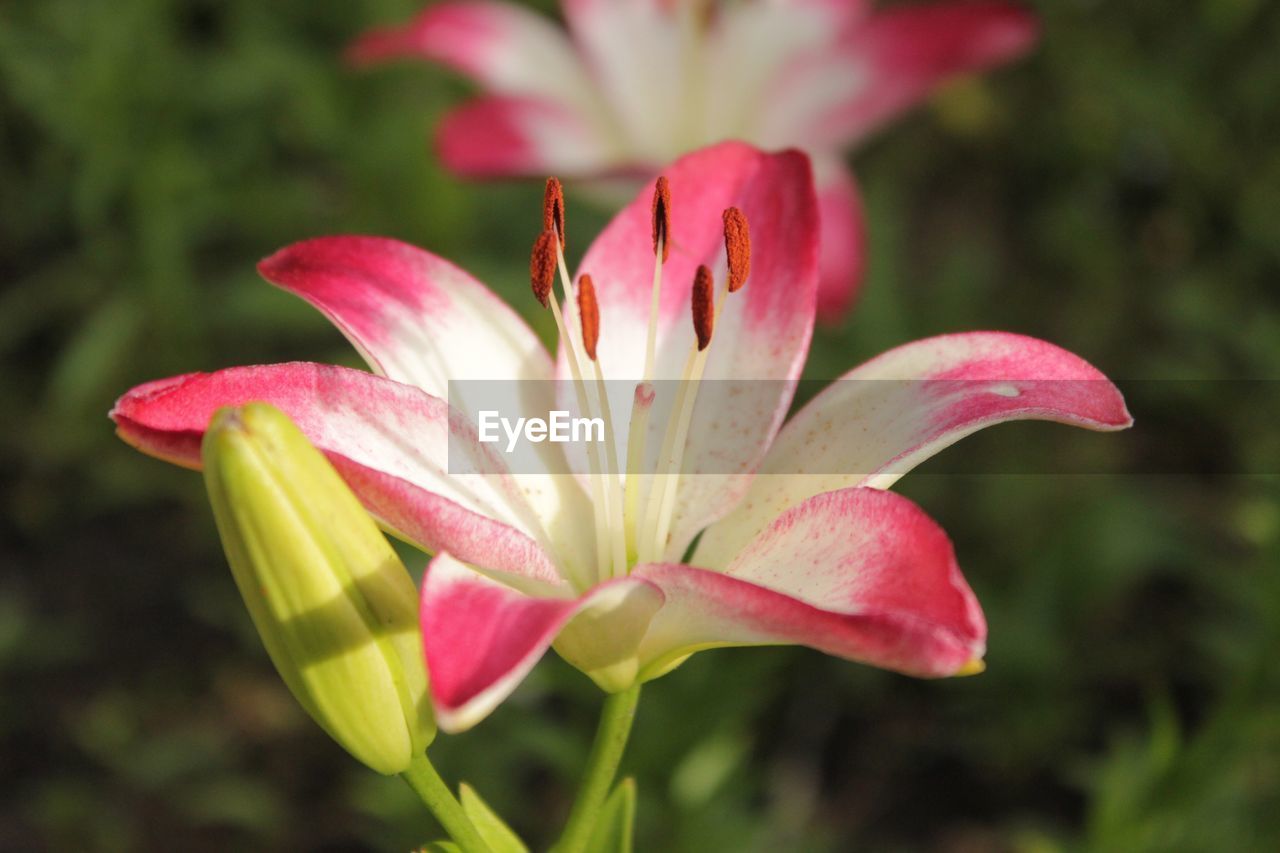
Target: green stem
{"x": 602, "y": 766}
{"x": 435, "y": 794}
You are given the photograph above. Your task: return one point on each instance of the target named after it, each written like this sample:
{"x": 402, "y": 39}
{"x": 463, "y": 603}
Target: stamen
{"x": 662, "y": 494}
{"x": 662, "y": 218}
{"x": 637, "y": 435}
{"x": 589, "y": 313}
{"x": 704, "y": 310}
{"x": 542, "y": 267}
{"x": 553, "y": 209}
{"x": 737, "y": 247}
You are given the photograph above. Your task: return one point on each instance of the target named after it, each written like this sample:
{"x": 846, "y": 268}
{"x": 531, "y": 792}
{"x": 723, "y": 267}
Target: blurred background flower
{"x": 1116, "y": 192}
{"x": 625, "y": 86}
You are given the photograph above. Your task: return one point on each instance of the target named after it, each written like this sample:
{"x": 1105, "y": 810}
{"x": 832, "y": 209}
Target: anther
{"x": 704, "y": 311}
{"x": 589, "y": 311}
{"x": 662, "y": 217}
{"x": 553, "y": 209}
{"x": 737, "y": 247}
{"x": 542, "y": 266}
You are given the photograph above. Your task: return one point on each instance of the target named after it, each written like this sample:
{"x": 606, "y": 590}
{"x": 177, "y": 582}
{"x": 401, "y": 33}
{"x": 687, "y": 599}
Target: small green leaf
{"x": 494, "y": 831}
{"x": 616, "y": 824}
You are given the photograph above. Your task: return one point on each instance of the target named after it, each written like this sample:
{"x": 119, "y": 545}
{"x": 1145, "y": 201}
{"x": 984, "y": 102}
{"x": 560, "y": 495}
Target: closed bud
{"x": 331, "y": 600}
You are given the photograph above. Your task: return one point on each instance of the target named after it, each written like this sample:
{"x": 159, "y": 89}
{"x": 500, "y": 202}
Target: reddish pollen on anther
{"x": 589, "y": 311}
{"x": 662, "y": 217}
{"x": 704, "y": 309}
{"x": 553, "y": 209}
{"x": 737, "y": 247}
{"x": 542, "y": 266}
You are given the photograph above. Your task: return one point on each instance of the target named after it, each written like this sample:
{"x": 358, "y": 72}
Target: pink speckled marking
{"x": 860, "y": 573}
{"x": 888, "y": 415}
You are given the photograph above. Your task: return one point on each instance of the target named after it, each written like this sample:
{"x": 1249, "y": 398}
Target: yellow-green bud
{"x": 332, "y": 602}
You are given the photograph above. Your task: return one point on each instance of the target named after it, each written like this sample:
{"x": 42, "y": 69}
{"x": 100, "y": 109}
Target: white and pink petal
{"x": 391, "y": 442}
{"x": 763, "y": 332}
{"x": 505, "y": 47}
{"x": 859, "y": 573}
{"x": 844, "y": 239}
{"x": 905, "y": 53}
{"x": 503, "y": 135}
{"x": 481, "y": 637}
{"x": 420, "y": 320}
{"x": 415, "y": 317}
{"x": 883, "y": 418}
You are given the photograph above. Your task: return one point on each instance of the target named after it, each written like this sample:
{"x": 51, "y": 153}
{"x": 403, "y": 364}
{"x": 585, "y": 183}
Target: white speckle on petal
{"x": 1005, "y": 390}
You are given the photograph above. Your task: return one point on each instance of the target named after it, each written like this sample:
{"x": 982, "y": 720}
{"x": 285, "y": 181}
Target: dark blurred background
{"x": 1117, "y": 193}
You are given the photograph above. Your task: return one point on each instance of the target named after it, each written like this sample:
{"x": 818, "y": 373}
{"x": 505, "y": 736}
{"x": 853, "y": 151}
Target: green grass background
{"x": 1117, "y": 193}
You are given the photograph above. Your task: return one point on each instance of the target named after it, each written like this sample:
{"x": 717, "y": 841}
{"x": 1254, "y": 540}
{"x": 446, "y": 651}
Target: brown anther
{"x": 737, "y": 247}
{"x": 704, "y": 309}
{"x": 553, "y": 209}
{"x": 589, "y": 311}
{"x": 542, "y": 266}
{"x": 662, "y": 217}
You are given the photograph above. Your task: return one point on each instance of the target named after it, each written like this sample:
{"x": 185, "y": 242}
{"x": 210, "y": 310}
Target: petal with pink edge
{"x": 747, "y": 47}
{"x": 903, "y": 54}
{"x": 481, "y": 638}
{"x": 415, "y": 317}
{"x": 859, "y": 573}
{"x": 763, "y": 332}
{"x": 391, "y": 442}
{"x": 420, "y": 320}
{"x": 844, "y": 240}
{"x": 882, "y": 419}
{"x": 638, "y": 54}
{"x": 503, "y": 135}
{"x": 504, "y": 47}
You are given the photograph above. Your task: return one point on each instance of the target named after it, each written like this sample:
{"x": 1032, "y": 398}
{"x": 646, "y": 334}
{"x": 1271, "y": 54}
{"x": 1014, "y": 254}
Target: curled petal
{"x": 882, "y": 419}
{"x": 482, "y": 637}
{"x": 391, "y": 443}
{"x": 859, "y": 573}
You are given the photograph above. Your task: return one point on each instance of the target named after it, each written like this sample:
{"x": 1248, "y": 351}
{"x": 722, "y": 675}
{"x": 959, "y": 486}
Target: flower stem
{"x": 602, "y": 766}
{"x": 435, "y": 794}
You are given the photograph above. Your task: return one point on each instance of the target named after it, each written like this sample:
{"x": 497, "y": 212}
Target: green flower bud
{"x": 332, "y": 602}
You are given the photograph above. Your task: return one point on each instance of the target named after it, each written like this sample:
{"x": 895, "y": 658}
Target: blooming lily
{"x": 632, "y": 84}
{"x": 800, "y": 543}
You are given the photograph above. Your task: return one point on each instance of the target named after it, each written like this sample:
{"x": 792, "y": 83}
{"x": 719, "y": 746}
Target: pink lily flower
{"x": 632, "y": 84}
{"x": 801, "y": 544}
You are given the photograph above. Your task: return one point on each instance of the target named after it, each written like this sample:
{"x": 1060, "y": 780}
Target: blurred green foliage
{"x": 1118, "y": 193}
